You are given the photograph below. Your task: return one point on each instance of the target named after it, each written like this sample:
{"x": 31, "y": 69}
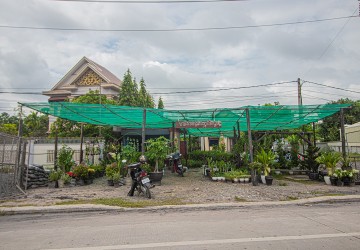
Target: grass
{"x": 237, "y": 198}
{"x": 290, "y": 198}
{"x": 118, "y": 202}
{"x": 327, "y": 194}
{"x": 283, "y": 184}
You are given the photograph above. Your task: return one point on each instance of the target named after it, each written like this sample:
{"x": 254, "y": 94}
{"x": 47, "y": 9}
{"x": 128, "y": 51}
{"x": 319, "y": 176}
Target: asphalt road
{"x": 321, "y": 226}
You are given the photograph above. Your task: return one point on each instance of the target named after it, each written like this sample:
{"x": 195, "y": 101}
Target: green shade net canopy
{"x": 262, "y": 118}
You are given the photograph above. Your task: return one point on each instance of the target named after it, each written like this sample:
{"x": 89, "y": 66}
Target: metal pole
{"x": 143, "y": 133}
{"x": 81, "y": 142}
{"x": 342, "y": 122}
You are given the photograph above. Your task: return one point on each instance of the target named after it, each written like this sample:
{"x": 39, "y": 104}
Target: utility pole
{"x": 299, "y": 92}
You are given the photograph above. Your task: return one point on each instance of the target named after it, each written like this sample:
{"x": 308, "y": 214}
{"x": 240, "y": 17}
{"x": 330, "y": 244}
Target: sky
{"x": 200, "y": 48}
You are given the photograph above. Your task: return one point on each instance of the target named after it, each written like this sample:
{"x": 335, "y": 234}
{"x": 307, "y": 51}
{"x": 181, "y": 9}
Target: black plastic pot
{"x": 269, "y": 180}
{"x": 156, "y": 177}
{"x": 333, "y": 180}
{"x": 313, "y": 176}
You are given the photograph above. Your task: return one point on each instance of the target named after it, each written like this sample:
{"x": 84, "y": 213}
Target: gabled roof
{"x": 62, "y": 87}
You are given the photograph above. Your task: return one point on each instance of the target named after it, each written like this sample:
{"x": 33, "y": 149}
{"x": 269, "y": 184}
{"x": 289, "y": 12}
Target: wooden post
{"x": 173, "y": 137}
{"x": 253, "y": 174}
{"x": 314, "y": 134}
{"x": 143, "y": 133}
{"x": 342, "y": 122}
{"x": 56, "y": 148}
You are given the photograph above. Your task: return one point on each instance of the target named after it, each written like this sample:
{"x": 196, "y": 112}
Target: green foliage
{"x": 111, "y": 170}
{"x": 65, "y": 161}
{"x": 81, "y": 171}
{"x": 195, "y": 163}
{"x": 203, "y": 156}
{"x": 65, "y": 178}
{"x": 266, "y": 158}
{"x": 157, "y": 150}
{"x": 35, "y": 125}
{"x": 9, "y": 128}
{"x": 310, "y": 162}
{"x": 160, "y": 103}
{"x": 329, "y": 129}
{"x": 329, "y": 159}
{"x": 55, "y": 175}
{"x": 129, "y": 154}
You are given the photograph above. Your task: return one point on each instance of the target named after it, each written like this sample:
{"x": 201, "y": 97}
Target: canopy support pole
{"x": 56, "y": 147}
{"x": 253, "y": 172}
{"x": 173, "y": 137}
{"x": 342, "y": 122}
{"x": 238, "y": 129}
{"x": 143, "y": 133}
{"x": 314, "y": 134}
{"x": 81, "y": 142}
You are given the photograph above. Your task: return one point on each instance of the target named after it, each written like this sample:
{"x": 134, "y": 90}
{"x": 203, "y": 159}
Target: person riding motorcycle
{"x": 135, "y": 170}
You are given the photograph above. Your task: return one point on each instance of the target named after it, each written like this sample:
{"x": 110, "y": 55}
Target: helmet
{"x": 142, "y": 159}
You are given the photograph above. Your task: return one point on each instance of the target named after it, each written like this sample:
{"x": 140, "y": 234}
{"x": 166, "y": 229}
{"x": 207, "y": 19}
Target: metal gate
{"x": 11, "y": 157}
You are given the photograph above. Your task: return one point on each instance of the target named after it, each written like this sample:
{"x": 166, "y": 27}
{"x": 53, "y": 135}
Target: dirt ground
{"x": 194, "y": 188}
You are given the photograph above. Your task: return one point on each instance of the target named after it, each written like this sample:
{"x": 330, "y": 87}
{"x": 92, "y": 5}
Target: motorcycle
{"x": 140, "y": 180}
{"x": 175, "y": 162}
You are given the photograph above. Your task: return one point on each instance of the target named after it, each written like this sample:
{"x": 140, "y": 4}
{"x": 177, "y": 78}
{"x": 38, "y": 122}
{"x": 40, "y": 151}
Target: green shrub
{"x": 55, "y": 175}
{"x": 81, "y": 171}
{"x": 195, "y": 163}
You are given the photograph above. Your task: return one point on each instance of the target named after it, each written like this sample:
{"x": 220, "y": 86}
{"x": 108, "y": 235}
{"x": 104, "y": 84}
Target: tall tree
{"x": 329, "y": 128}
{"x": 127, "y": 94}
{"x": 9, "y": 123}
{"x": 160, "y": 103}
{"x": 35, "y": 125}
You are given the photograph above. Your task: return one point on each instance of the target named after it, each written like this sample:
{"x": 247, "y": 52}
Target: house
{"x": 84, "y": 76}
{"x": 352, "y": 139}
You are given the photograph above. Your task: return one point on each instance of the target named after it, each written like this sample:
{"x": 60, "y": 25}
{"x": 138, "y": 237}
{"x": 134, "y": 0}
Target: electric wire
{"x": 328, "y": 86}
{"x": 173, "y": 30}
{"x": 150, "y": 1}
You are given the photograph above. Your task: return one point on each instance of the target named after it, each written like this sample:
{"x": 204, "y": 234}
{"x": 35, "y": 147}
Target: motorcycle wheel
{"x": 147, "y": 192}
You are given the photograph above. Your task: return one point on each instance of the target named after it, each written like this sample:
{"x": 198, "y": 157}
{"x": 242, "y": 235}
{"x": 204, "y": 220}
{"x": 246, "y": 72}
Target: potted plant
{"x": 266, "y": 158}
{"x": 110, "y": 171}
{"x": 310, "y": 163}
{"x": 330, "y": 160}
{"x": 65, "y": 158}
{"x": 54, "y": 176}
{"x": 81, "y": 172}
{"x": 157, "y": 150}
{"x": 255, "y": 168}
{"x": 65, "y": 180}
{"x": 116, "y": 179}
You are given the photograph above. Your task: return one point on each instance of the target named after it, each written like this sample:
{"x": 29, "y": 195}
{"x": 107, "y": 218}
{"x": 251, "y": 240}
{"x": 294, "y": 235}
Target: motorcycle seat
{"x": 134, "y": 165}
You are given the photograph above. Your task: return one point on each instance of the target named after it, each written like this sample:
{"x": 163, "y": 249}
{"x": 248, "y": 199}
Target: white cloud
{"x": 185, "y": 60}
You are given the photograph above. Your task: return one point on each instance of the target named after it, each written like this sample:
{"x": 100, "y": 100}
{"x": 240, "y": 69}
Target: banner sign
{"x": 198, "y": 124}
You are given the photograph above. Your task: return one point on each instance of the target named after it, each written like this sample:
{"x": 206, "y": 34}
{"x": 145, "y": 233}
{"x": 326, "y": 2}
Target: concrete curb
{"x": 191, "y": 207}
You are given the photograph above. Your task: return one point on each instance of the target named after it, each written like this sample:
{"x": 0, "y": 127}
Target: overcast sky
{"x": 325, "y": 52}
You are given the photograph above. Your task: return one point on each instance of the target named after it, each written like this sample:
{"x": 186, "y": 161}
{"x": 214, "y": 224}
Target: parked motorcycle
{"x": 175, "y": 163}
{"x": 140, "y": 180}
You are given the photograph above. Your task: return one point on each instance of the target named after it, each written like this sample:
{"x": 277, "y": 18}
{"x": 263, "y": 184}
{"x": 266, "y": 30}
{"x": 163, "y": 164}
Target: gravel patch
{"x": 194, "y": 188}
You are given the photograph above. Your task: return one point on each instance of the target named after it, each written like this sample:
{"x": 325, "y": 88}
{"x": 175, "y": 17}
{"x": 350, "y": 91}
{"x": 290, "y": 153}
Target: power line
{"x": 150, "y": 1}
{"x": 215, "y": 90}
{"x": 172, "y": 30}
{"x": 324, "y": 85}
{"x": 332, "y": 41}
